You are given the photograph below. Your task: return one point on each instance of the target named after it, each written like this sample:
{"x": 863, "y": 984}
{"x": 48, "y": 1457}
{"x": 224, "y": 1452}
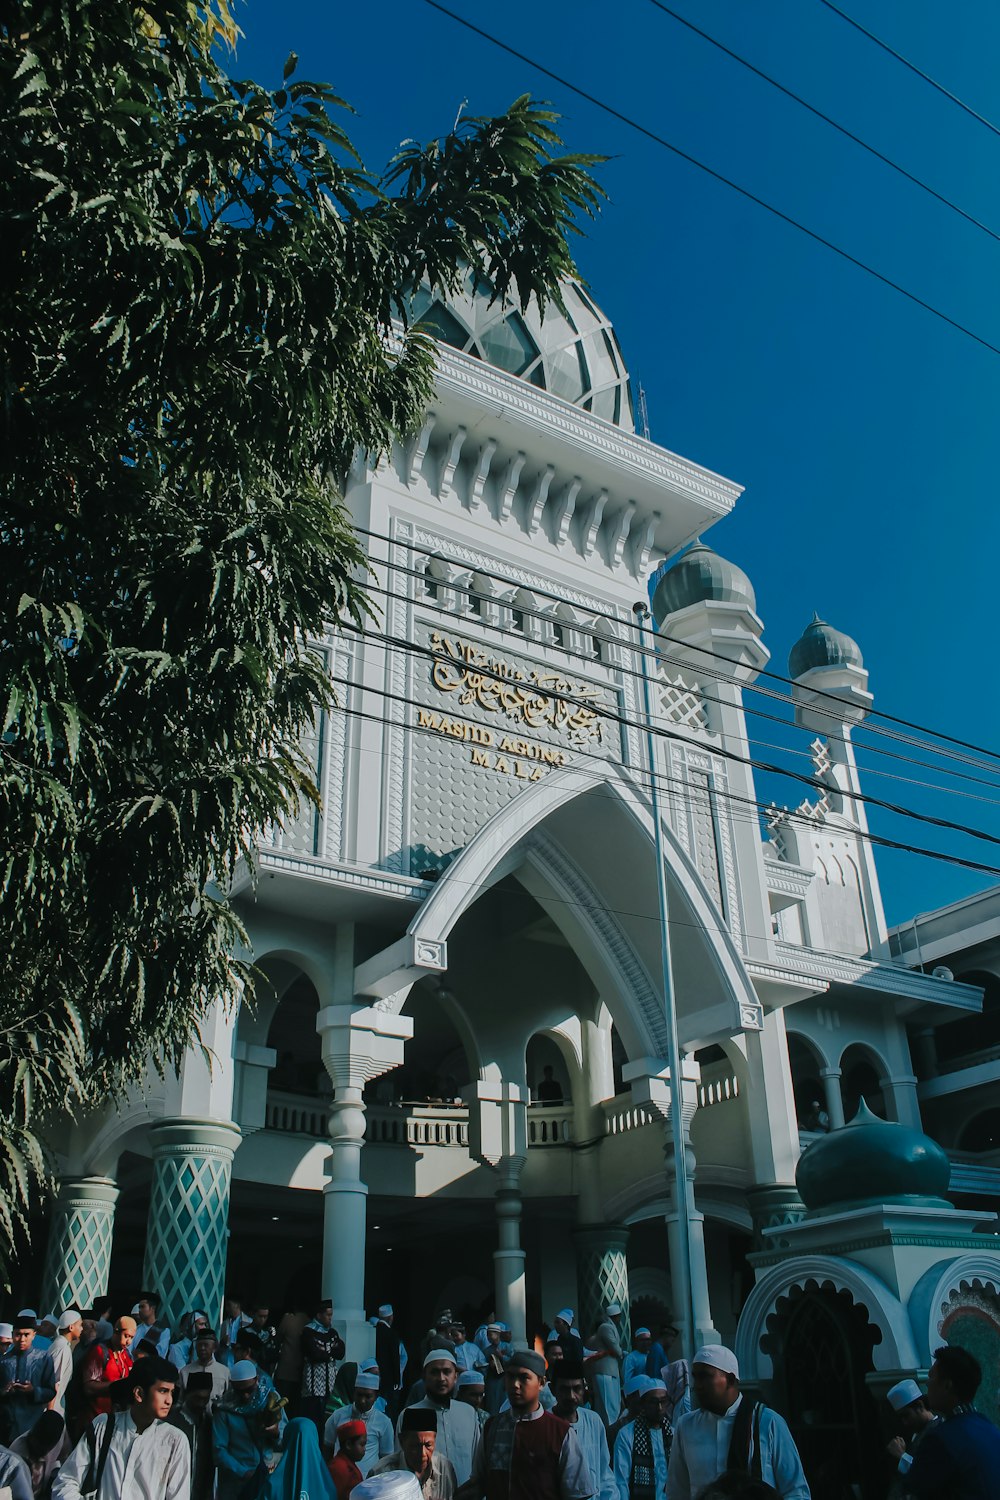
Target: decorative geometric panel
{"x": 78, "y": 1258}
{"x": 602, "y": 1277}
{"x": 683, "y": 704}
{"x": 704, "y": 834}
{"x": 187, "y": 1233}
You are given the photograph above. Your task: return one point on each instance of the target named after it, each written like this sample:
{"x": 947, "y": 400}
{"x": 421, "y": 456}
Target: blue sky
{"x": 864, "y": 429}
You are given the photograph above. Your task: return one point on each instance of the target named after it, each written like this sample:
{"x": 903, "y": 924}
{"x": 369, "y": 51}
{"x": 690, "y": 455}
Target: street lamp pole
{"x": 680, "y": 1275}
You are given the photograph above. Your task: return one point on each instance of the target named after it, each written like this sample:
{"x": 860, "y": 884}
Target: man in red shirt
{"x": 352, "y": 1439}
{"x": 103, "y": 1367}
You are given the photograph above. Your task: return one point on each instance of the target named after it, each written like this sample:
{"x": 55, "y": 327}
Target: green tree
{"x": 200, "y": 282}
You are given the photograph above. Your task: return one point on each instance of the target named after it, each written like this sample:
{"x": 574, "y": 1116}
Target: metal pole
{"x": 682, "y": 1204}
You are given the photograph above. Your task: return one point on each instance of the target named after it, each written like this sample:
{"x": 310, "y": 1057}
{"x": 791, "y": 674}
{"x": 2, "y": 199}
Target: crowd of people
{"x": 124, "y": 1408}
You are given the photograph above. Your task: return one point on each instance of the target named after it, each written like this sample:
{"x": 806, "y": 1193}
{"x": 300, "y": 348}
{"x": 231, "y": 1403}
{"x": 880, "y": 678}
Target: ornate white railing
{"x": 412, "y": 1124}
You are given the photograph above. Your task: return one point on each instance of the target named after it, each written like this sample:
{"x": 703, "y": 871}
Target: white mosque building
{"x": 477, "y": 904}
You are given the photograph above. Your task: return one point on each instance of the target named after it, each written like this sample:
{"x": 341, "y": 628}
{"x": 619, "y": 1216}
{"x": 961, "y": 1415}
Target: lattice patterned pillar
{"x": 78, "y": 1258}
{"x": 187, "y": 1235}
{"x": 602, "y": 1276}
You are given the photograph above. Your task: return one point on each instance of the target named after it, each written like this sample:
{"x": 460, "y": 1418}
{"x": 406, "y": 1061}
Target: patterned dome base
{"x": 574, "y": 354}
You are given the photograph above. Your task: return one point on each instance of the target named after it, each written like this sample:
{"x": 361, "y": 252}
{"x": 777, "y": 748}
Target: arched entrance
{"x": 820, "y": 1342}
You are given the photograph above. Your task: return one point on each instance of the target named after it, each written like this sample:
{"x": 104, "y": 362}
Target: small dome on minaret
{"x": 820, "y": 645}
{"x": 701, "y": 576}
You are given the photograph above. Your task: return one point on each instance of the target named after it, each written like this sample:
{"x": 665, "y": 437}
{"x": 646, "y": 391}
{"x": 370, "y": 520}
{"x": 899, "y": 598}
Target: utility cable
{"x": 836, "y": 704}
{"x": 522, "y": 642}
{"x": 718, "y": 176}
{"x": 684, "y": 790}
{"x": 797, "y": 98}
{"x": 912, "y": 66}
{"x": 602, "y": 711}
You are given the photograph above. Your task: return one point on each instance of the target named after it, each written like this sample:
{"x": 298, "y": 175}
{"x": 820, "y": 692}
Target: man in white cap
{"x": 642, "y": 1447}
{"x": 381, "y": 1438}
{"x": 567, "y": 1336}
{"x": 634, "y": 1362}
{"x": 388, "y": 1349}
{"x": 458, "y": 1430}
{"x": 570, "y": 1390}
{"x": 606, "y": 1365}
{"x": 728, "y": 1432}
{"x": 247, "y": 1429}
{"x": 46, "y": 1330}
{"x": 6, "y": 1338}
{"x": 471, "y": 1389}
{"x": 914, "y": 1418}
{"x": 68, "y": 1330}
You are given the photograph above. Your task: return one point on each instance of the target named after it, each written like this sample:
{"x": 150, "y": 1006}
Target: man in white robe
{"x": 606, "y": 1365}
{"x": 145, "y": 1459}
{"x": 570, "y": 1390}
{"x": 458, "y": 1430}
{"x": 725, "y": 1419}
{"x": 381, "y": 1437}
{"x": 69, "y": 1329}
{"x": 652, "y": 1407}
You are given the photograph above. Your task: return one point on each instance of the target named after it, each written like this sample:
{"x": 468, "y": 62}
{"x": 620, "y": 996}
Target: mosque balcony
{"x": 975, "y": 1172}
{"x": 967, "y": 1070}
{"x": 445, "y": 1125}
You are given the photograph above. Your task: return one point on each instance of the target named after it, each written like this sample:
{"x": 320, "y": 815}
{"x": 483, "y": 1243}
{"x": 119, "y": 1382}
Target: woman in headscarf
{"x": 43, "y": 1450}
{"x": 301, "y": 1473}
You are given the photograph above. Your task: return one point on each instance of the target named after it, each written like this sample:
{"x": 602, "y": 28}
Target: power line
{"x": 718, "y": 176}
{"x": 574, "y": 654}
{"x": 640, "y": 776}
{"x": 912, "y": 66}
{"x": 836, "y": 704}
{"x": 872, "y": 150}
{"x": 623, "y": 721}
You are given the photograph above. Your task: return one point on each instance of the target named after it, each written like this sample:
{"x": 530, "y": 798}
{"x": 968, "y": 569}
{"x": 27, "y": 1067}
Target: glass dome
{"x": 574, "y": 354}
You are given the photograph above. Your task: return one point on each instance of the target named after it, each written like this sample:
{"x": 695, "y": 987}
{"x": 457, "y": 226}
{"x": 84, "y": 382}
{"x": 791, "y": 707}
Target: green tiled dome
{"x": 872, "y": 1161}
{"x": 821, "y": 646}
{"x": 700, "y": 575}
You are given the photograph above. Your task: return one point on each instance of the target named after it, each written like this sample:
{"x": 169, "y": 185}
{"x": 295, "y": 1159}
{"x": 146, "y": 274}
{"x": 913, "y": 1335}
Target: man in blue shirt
{"x": 27, "y": 1379}
{"x": 960, "y": 1458}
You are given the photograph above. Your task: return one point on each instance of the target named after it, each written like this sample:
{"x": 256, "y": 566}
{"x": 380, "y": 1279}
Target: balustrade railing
{"x": 416, "y": 1124}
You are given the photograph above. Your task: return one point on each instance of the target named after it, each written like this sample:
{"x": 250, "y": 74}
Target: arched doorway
{"x": 805, "y": 1063}
{"x": 820, "y": 1342}
{"x": 861, "y": 1079}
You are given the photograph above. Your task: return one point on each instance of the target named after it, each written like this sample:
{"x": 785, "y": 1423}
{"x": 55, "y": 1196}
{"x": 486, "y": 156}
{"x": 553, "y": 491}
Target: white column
{"x": 774, "y": 1130}
{"x": 834, "y": 1098}
{"x": 498, "y": 1137}
{"x": 650, "y": 1087}
{"x": 358, "y": 1044}
{"x": 508, "y": 1257}
{"x": 900, "y": 1094}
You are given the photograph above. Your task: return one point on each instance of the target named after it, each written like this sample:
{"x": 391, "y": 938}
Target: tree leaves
{"x": 196, "y": 336}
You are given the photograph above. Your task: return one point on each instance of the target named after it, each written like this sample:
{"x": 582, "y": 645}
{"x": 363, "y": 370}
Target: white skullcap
{"x": 654, "y": 1385}
{"x": 637, "y": 1383}
{"x": 366, "y": 1381}
{"x": 904, "y": 1394}
{"x": 135, "y": 1311}
{"x": 243, "y": 1369}
{"x": 368, "y": 1364}
{"x": 567, "y": 1315}
{"x": 52, "y": 1318}
{"x": 385, "y": 1311}
{"x": 471, "y": 1377}
{"x": 28, "y": 1312}
{"x": 719, "y": 1357}
{"x": 494, "y": 1328}
{"x": 6, "y": 1330}
{"x": 69, "y": 1317}
{"x": 640, "y": 1331}
{"x": 613, "y": 1309}
{"x": 395, "y": 1484}
{"x": 433, "y": 1354}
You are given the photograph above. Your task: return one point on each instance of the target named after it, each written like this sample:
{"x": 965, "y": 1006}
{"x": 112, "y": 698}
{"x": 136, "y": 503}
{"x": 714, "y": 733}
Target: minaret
{"x": 830, "y": 692}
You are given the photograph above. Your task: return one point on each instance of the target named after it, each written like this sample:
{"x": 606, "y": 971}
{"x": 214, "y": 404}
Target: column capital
{"x": 181, "y": 1137}
{"x": 86, "y": 1192}
{"x": 649, "y": 1081}
{"x": 498, "y": 1124}
{"x": 361, "y": 1043}
{"x": 830, "y": 1073}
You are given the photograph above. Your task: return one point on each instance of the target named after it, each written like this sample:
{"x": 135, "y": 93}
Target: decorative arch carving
{"x": 895, "y": 1348}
